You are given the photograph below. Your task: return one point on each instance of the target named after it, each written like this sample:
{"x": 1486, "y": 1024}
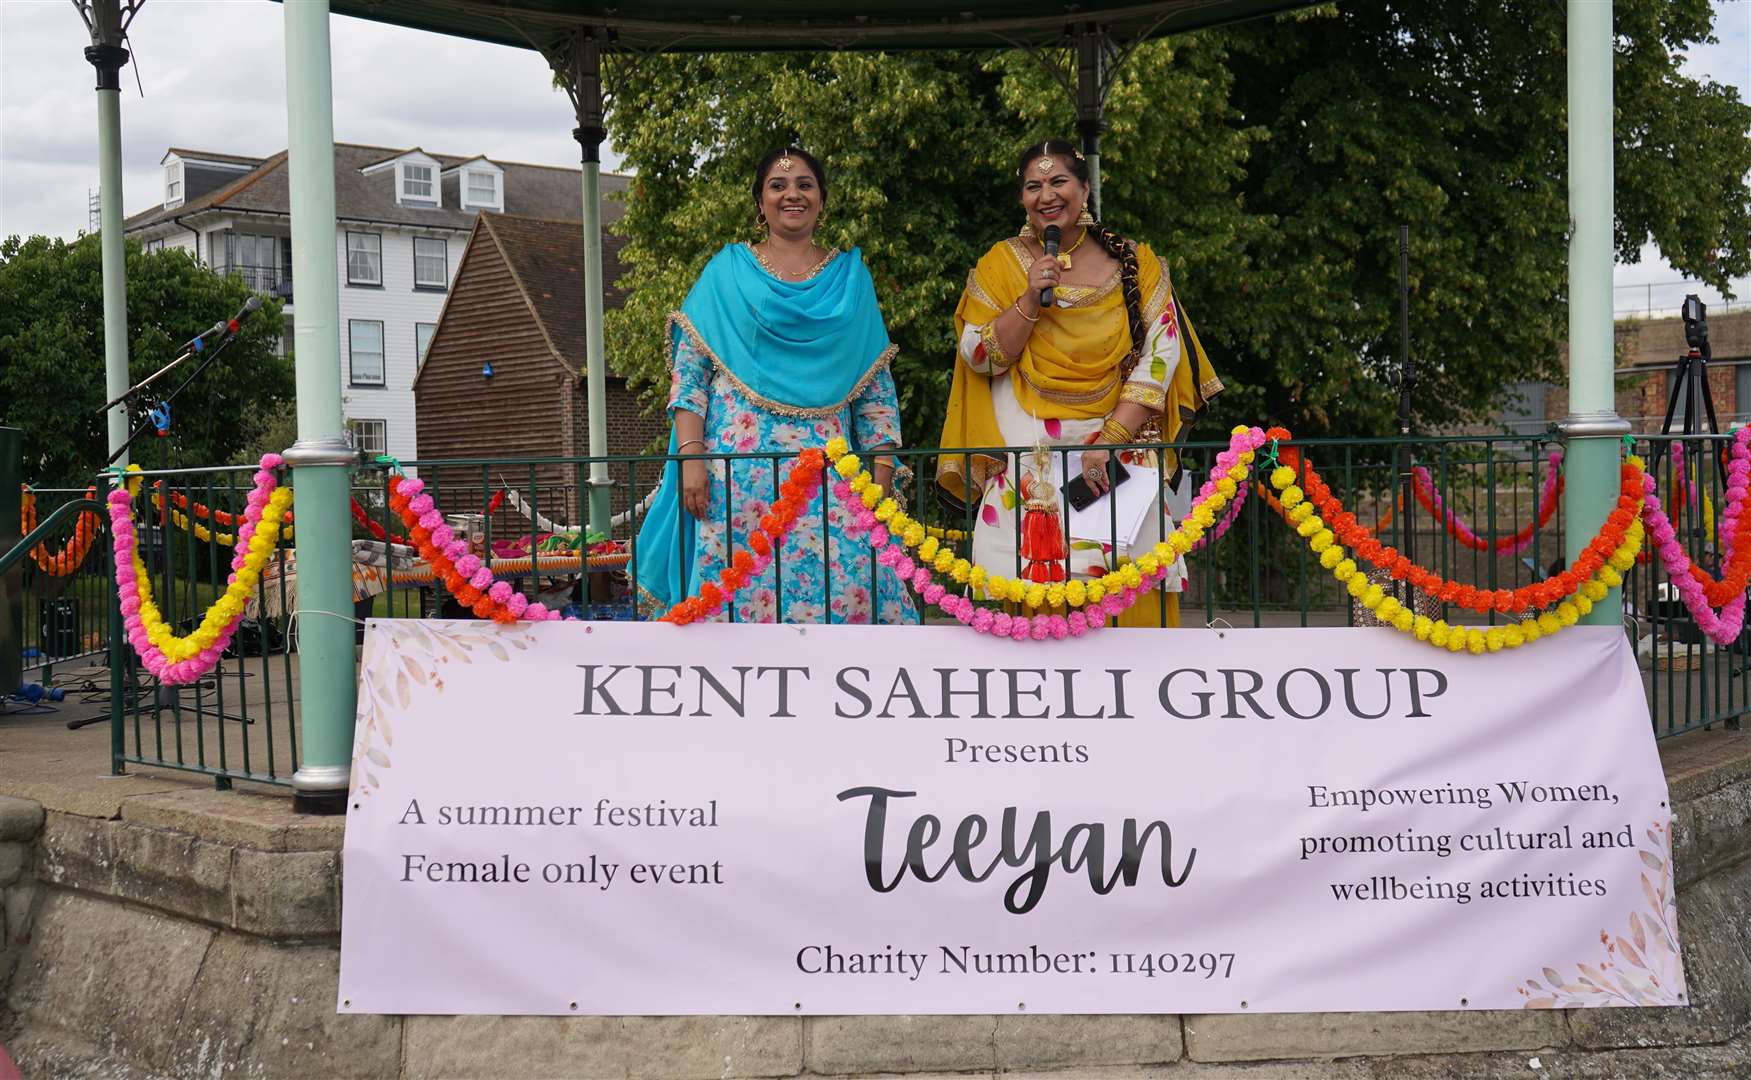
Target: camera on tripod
{"x": 1695, "y": 314}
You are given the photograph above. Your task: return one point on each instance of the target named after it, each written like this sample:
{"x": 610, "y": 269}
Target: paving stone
{"x": 1263, "y": 1037}
{"x": 20, "y": 819}
{"x": 174, "y": 872}
{"x": 263, "y": 822}
{"x": 855, "y": 1044}
{"x": 1709, "y": 832}
{"x": 19, "y": 899}
{"x": 14, "y": 857}
{"x": 1049, "y": 1042}
{"x": 113, "y": 975}
{"x": 75, "y": 852}
{"x": 286, "y": 894}
{"x": 267, "y": 1011}
{"x": 668, "y": 1047}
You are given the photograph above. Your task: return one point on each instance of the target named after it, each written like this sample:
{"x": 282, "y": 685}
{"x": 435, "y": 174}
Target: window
{"x": 418, "y": 182}
{"x": 173, "y": 184}
{"x": 364, "y": 259}
{"x": 483, "y": 188}
{"x": 370, "y": 437}
{"x": 422, "y": 337}
{"x": 365, "y": 352}
{"x": 1742, "y": 389}
{"x": 1523, "y": 407}
{"x": 153, "y": 246}
{"x": 431, "y": 263}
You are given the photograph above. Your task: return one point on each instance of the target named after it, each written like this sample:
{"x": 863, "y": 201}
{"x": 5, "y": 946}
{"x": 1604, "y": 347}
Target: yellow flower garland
{"x": 1076, "y": 593}
{"x": 1437, "y": 632}
{"x": 230, "y": 605}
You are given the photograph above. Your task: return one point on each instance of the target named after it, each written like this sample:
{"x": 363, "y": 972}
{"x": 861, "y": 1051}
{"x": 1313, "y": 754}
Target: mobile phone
{"x": 1082, "y": 496}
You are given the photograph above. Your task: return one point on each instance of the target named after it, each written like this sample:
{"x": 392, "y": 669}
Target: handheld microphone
{"x": 1049, "y": 242}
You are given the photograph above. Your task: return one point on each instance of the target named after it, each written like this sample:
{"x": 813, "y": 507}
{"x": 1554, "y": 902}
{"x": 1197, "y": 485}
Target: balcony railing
{"x": 264, "y": 279}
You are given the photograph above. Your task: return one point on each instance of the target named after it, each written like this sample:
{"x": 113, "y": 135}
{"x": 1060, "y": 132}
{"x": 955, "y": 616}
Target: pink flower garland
{"x": 1511, "y": 546}
{"x": 1229, "y": 516}
{"x": 126, "y": 543}
{"x": 469, "y": 565}
{"x": 1092, "y": 616}
{"x": 1724, "y": 627}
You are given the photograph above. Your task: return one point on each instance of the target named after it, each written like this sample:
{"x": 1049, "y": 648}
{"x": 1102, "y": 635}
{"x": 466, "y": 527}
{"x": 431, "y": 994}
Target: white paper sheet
{"x": 1135, "y": 498}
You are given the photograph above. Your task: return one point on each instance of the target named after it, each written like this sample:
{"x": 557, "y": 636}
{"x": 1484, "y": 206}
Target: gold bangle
{"x": 1114, "y": 432}
{"x": 1023, "y": 314}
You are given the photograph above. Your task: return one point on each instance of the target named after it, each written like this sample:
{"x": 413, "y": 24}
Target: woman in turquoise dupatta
{"x": 779, "y": 347}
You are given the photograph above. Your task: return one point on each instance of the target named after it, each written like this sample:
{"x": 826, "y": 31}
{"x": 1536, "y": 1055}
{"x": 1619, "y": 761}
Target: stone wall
{"x": 196, "y": 934}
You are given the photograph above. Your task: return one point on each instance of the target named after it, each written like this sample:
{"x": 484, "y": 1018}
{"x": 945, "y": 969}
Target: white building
{"x": 402, "y": 218}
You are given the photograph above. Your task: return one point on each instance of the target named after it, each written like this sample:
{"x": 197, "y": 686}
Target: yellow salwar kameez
{"x": 1077, "y": 366}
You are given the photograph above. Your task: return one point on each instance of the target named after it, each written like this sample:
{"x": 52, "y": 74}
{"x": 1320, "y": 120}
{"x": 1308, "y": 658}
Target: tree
{"x": 1270, "y": 163}
{"x": 51, "y": 354}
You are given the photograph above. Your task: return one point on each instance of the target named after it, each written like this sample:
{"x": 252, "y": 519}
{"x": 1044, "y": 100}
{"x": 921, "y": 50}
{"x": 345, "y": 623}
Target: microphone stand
{"x": 209, "y": 356}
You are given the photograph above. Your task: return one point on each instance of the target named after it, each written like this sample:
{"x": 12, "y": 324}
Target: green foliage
{"x": 1270, "y": 164}
{"x": 51, "y": 354}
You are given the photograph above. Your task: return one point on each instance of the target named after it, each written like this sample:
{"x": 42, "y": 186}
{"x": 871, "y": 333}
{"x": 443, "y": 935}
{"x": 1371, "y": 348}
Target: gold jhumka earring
{"x": 1027, "y": 229}
{"x": 1085, "y": 218}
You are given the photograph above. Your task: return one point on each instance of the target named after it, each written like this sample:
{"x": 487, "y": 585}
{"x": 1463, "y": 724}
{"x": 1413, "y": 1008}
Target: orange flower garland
{"x": 794, "y": 495}
{"x": 1360, "y": 539}
{"x": 482, "y": 603}
{"x": 60, "y": 563}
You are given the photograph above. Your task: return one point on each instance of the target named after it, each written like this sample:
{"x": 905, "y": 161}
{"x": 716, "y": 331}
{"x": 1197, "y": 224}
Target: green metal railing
{"x": 241, "y": 723}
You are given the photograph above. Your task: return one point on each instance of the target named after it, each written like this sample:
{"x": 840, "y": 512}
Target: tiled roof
{"x": 213, "y": 155}
{"x": 546, "y": 257}
{"x": 530, "y": 190}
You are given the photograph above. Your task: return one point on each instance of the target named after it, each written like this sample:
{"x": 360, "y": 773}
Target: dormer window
{"x": 173, "y": 181}
{"x": 480, "y": 185}
{"x": 419, "y": 183}
{"x": 482, "y": 189}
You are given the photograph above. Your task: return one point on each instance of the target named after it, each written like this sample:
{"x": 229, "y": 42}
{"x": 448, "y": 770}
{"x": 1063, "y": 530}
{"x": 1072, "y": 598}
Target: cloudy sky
{"x": 214, "y": 77}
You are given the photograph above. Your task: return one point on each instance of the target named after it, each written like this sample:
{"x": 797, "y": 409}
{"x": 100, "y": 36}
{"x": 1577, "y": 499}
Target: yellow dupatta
{"x": 1073, "y": 365}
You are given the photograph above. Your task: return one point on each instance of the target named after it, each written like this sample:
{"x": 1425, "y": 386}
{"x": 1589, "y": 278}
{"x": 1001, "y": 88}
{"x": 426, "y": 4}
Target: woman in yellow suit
{"x": 1112, "y": 360}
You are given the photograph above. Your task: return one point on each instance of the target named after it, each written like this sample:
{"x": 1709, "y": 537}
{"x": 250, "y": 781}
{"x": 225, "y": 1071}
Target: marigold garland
{"x": 1701, "y": 593}
{"x": 795, "y": 494}
{"x": 1565, "y": 612}
{"x": 64, "y": 562}
{"x": 463, "y": 573}
{"x": 1430, "y": 496}
{"x": 881, "y": 520}
{"x": 178, "y": 660}
{"x": 1341, "y": 527}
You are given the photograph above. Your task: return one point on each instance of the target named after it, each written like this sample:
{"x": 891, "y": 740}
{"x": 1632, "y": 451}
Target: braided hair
{"x": 1108, "y": 238}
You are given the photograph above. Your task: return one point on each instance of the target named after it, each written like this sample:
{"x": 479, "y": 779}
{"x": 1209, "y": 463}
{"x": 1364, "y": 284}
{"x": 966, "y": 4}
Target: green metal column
{"x": 1593, "y": 428}
{"x": 584, "y": 76}
{"x": 1091, "y": 75}
{"x": 322, "y": 457}
{"x": 106, "y": 55}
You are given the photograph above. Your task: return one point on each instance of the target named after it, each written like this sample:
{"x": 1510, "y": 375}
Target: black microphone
{"x": 1049, "y": 242}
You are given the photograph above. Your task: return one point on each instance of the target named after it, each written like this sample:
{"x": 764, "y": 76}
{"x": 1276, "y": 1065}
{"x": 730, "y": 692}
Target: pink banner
{"x": 647, "y": 819}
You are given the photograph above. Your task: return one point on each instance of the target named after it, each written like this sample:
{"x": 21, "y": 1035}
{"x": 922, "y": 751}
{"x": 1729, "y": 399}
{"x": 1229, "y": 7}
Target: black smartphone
{"x": 1082, "y": 496}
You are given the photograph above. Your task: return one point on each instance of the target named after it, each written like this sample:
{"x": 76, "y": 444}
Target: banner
{"x": 649, "y": 819}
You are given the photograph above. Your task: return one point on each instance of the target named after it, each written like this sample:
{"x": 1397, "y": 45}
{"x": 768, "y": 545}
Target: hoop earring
{"x": 760, "y": 221}
{"x": 1027, "y": 229}
{"x": 1085, "y": 218}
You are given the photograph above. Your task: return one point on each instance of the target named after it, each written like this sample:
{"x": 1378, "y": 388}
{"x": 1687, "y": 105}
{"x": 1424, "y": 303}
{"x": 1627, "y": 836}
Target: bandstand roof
{"x": 690, "y": 26}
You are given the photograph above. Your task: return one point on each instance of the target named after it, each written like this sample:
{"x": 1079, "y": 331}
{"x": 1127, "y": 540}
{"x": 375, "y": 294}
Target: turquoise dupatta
{"x": 797, "y": 348}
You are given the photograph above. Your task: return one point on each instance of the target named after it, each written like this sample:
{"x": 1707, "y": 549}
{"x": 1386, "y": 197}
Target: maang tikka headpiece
{"x": 784, "y": 161}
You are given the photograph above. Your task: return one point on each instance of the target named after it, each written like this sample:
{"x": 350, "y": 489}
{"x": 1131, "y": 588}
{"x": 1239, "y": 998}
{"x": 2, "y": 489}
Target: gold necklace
{"x": 1064, "y": 256}
{"x": 790, "y": 275}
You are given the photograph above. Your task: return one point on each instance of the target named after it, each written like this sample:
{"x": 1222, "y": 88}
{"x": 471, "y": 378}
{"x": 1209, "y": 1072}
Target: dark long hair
{"x": 771, "y": 158}
{"x": 1109, "y": 239}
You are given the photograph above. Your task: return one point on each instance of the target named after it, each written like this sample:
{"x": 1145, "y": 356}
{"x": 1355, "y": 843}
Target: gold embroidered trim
{"x": 1086, "y": 397}
{"x": 1021, "y": 253}
{"x": 1150, "y": 397}
{"x": 998, "y": 360}
{"x": 1158, "y": 300}
{"x": 977, "y": 292}
{"x": 832, "y": 253}
{"x": 1073, "y": 295}
{"x": 677, "y": 319}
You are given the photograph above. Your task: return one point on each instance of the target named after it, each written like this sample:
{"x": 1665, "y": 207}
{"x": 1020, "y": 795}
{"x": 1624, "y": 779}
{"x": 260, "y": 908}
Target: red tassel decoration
{"x": 1042, "y": 533}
